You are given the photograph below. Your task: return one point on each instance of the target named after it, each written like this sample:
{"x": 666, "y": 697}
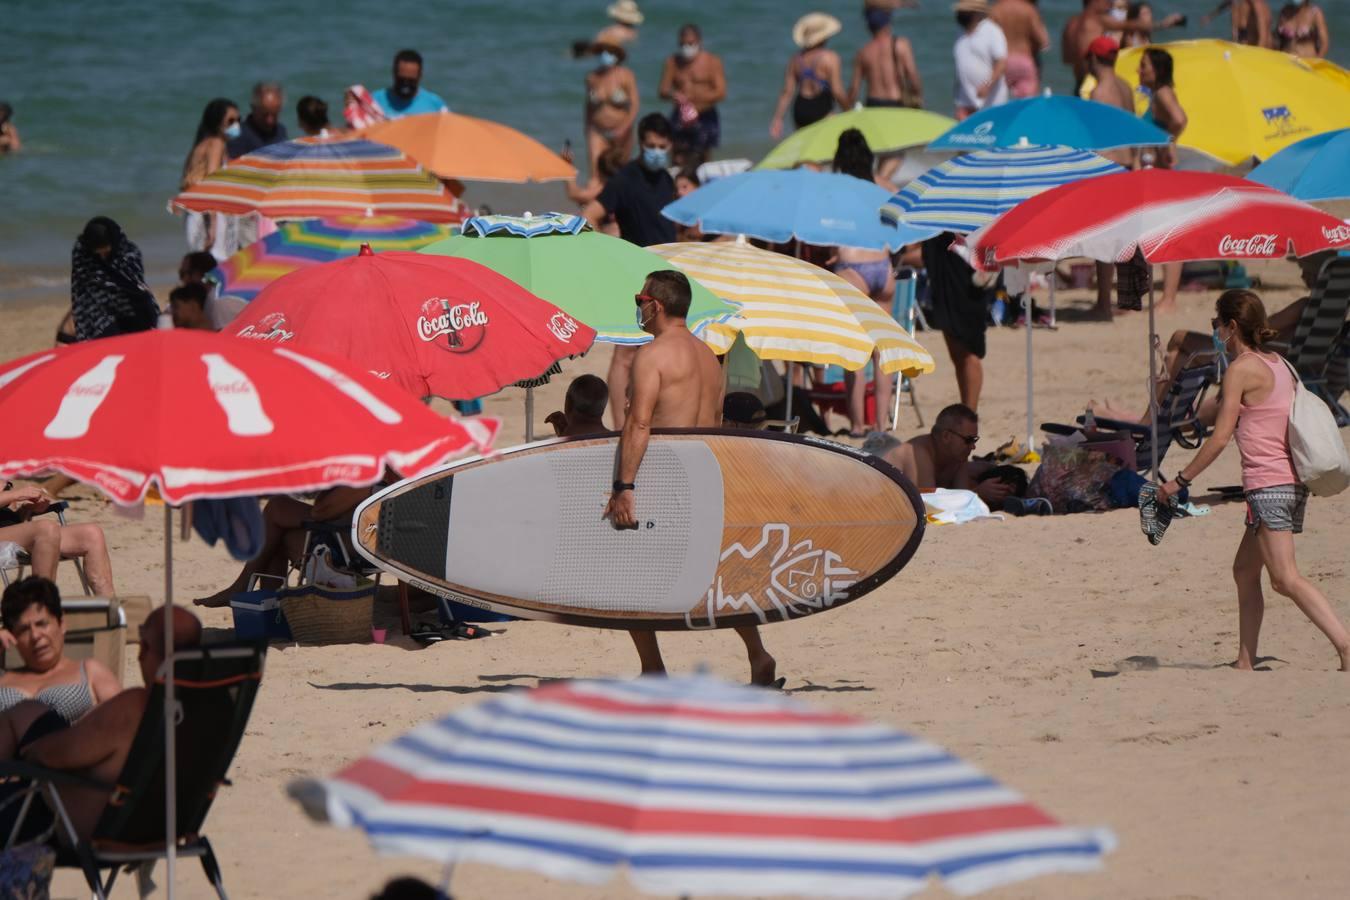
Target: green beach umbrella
{"x": 590, "y": 276}
{"x": 887, "y": 131}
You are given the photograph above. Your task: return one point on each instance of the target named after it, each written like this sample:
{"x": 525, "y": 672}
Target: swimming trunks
{"x": 883, "y": 102}
{"x": 701, "y": 135}
{"x": 873, "y": 273}
{"x": 1022, "y": 76}
{"x": 69, "y": 701}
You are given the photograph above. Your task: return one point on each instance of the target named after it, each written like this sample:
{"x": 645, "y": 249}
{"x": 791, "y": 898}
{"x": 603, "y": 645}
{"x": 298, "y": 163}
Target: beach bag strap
{"x": 1319, "y": 455}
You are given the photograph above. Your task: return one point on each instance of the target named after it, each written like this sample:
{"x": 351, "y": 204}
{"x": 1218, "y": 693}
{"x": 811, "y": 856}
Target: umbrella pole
{"x": 1152, "y": 383}
{"x": 170, "y": 755}
{"x": 529, "y": 414}
{"x": 1029, "y": 305}
{"x": 788, "y": 412}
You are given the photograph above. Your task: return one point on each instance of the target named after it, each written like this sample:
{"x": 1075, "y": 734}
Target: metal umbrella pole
{"x": 1028, "y": 306}
{"x": 529, "y": 415}
{"x": 1152, "y": 383}
{"x": 170, "y": 731}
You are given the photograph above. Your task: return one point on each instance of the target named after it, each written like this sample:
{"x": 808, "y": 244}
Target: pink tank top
{"x": 1263, "y": 433}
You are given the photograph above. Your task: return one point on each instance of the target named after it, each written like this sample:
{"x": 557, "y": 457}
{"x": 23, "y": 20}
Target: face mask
{"x": 654, "y": 159}
{"x": 1220, "y": 345}
{"x": 232, "y": 131}
{"x": 641, "y": 322}
{"x": 1118, "y": 14}
{"x": 405, "y": 87}
{"x": 608, "y": 60}
{"x": 689, "y": 51}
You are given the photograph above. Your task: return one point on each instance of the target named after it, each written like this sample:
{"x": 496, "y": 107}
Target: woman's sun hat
{"x": 975, "y": 6}
{"x": 625, "y": 12}
{"x": 815, "y": 28}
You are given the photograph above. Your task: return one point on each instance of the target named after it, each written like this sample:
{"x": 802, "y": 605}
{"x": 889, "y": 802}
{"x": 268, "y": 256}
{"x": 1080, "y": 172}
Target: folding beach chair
{"x": 1178, "y": 417}
{"x": 214, "y": 687}
{"x": 1319, "y": 343}
{"x": 57, "y": 509}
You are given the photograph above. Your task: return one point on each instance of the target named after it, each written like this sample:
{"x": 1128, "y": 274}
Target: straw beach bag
{"x": 324, "y": 615}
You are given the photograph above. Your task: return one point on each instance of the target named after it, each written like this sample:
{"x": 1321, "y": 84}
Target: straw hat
{"x": 625, "y": 11}
{"x": 975, "y": 6}
{"x": 815, "y": 28}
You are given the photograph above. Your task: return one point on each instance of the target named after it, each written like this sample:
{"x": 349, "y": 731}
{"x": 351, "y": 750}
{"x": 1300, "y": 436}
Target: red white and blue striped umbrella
{"x": 696, "y": 787}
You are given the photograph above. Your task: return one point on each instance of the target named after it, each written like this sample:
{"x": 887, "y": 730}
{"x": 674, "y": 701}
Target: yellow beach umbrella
{"x": 1244, "y": 102}
{"x": 795, "y": 311}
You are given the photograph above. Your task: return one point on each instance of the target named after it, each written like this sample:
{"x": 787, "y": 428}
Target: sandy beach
{"x": 1007, "y": 642}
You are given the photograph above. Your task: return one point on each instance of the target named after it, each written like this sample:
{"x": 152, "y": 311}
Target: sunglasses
{"x": 639, "y": 299}
{"x": 1215, "y": 322}
{"x": 970, "y": 439}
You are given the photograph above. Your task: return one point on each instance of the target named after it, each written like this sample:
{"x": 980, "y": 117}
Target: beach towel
{"x": 951, "y": 507}
{"x": 237, "y": 521}
{"x": 109, "y": 296}
{"x": 361, "y": 110}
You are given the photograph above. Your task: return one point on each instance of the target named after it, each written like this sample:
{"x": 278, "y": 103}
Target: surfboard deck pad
{"x": 734, "y": 528}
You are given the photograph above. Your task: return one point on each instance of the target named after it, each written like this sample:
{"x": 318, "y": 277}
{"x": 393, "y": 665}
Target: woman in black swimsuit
{"x": 812, "y": 83}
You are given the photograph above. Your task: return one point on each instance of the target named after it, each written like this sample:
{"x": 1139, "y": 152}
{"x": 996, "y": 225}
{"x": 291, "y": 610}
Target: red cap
{"x": 1103, "y": 47}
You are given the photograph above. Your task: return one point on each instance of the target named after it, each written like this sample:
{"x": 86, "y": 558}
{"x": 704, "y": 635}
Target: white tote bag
{"x": 1315, "y": 442}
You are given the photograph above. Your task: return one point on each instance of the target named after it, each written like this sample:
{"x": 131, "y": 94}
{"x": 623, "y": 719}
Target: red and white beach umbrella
{"x": 206, "y": 415}
{"x": 434, "y": 325}
{"x": 696, "y": 786}
{"x": 1171, "y": 216}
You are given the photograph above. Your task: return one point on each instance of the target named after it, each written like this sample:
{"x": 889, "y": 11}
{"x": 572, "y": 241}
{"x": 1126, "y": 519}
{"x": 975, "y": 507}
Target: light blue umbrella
{"x": 813, "y": 207}
{"x": 970, "y": 191}
{"x": 1051, "y": 121}
{"x": 1316, "y": 168}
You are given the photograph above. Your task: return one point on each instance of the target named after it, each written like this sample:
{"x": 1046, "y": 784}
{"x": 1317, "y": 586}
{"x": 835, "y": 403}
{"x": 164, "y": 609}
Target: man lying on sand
{"x": 941, "y": 458}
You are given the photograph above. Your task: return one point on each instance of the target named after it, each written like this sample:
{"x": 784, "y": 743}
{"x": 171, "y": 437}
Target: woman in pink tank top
{"x": 1254, "y": 403}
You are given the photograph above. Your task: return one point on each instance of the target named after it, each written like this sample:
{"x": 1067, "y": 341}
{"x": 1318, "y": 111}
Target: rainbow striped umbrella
{"x": 696, "y": 786}
{"x": 314, "y": 177}
{"x": 296, "y": 245}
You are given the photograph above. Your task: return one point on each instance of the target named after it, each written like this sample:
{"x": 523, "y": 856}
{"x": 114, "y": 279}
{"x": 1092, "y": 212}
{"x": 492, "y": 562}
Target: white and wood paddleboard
{"x": 734, "y": 528}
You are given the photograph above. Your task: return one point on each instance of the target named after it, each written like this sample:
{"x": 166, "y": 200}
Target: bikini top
{"x": 69, "y": 701}
{"x": 617, "y": 98}
{"x": 807, "y": 73}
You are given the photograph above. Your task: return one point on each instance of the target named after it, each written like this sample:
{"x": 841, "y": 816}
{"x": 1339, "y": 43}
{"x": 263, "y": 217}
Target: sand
{"x": 1217, "y": 783}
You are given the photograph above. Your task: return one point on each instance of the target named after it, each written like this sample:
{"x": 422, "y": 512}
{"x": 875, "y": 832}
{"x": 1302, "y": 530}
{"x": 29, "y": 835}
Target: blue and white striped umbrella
{"x": 970, "y": 191}
{"x": 696, "y": 786}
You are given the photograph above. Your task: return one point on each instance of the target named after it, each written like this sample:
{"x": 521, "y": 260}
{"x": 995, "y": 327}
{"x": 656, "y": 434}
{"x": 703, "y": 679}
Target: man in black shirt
{"x": 637, "y": 192}
{"x": 262, "y": 126}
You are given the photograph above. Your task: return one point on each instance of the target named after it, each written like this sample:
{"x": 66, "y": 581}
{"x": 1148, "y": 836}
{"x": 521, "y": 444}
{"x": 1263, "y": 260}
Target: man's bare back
{"x": 886, "y": 63}
{"x": 690, "y": 392}
{"x": 1022, "y": 26}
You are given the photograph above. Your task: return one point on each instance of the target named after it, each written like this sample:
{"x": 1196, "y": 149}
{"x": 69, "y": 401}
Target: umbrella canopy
{"x": 1314, "y": 169}
{"x": 206, "y": 415}
{"x": 886, "y": 130}
{"x": 434, "y": 326}
{"x": 297, "y": 245}
{"x": 317, "y": 177}
{"x": 1171, "y": 216}
{"x": 1243, "y": 102}
{"x": 794, "y": 311}
{"x": 590, "y": 276}
{"x": 696, "y": 786}
{"x": 819, "y": 208}
{"x": 457, "y": 146}
{"x": 1051, "y": 121}
{"x": 971, "y": 190}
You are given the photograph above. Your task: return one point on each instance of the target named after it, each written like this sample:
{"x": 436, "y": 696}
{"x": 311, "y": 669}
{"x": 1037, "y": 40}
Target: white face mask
{"x": 689, "y": 51}
{"x": 608, "y": 60}
{"x": 232, "y": 131}
{"x": 1119, "y": 13}
{"x": 642, "y": 322}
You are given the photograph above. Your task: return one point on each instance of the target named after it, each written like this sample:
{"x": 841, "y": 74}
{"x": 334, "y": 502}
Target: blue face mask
{"x": 232, "y": 132}
{"x": 608, "y": 60}
{"x": 1220, "y": 345}
{"x": 655, "y": 158}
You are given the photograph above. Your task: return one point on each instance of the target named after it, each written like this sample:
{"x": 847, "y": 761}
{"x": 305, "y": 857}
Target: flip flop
{"x": 1153, "y": 517}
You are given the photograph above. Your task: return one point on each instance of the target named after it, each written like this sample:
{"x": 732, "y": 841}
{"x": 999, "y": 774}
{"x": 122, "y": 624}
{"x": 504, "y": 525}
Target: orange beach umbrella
{"x": 455, "y": 146}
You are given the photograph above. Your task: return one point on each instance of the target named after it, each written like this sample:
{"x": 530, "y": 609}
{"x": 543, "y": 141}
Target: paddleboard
{"x": 734, "y": 528}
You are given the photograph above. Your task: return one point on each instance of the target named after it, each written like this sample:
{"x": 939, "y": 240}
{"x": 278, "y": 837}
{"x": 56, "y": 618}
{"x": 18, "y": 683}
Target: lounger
{"x": 1178, "y": 417}
{"x": 214, "y": 687}
{"x": 1319, "y": 341}
{"x": 59, "y": 510}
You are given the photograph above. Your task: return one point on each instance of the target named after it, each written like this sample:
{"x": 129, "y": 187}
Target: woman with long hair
{"x": 1164, "y": 110}
{"x": 869, "y": 271}
{"x": 611, "y": 105}
{"x": 1258, "y": 389}
{"x": 219, "y": 123}
{"x": 1302, "y": 30}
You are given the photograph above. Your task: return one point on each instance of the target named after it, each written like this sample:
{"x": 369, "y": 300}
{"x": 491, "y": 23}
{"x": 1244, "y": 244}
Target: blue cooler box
{"x": 257, "y": 615}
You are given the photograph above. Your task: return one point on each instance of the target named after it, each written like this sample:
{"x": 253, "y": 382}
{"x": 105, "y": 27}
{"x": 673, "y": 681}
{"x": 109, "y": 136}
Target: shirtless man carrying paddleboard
{"x": 676, "y": 382}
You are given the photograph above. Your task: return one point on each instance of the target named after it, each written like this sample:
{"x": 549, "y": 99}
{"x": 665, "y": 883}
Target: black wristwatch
{"x": 623, "y": 486}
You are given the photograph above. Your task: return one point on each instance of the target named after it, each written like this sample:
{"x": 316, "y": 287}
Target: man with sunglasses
{"x": 675, "y": 382}
{"x": 941, "y": 458}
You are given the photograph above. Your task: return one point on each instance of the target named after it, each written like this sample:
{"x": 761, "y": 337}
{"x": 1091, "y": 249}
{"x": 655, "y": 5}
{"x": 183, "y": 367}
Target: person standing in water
{"x": 886, "y": 63}
{"x": 1258, "y": 388}
{"x": 696, "y": 82}
{"x": 676, "y": 383}
{"x": 1302, "y": 30}
{"x": 219, "y": 124}
{"x": 611, "y": 106}
{"x": 1164, "y": 110}
{"x": 813, "y": 82}
{"x": 1027, "y": 37}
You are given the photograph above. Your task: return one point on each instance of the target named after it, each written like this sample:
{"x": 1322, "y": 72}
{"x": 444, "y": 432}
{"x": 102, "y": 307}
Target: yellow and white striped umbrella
{"x": 795, "y": 311}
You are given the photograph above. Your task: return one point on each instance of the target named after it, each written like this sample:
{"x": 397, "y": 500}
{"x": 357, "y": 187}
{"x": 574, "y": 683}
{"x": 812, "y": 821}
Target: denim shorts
{"x": 1279, "y": 508}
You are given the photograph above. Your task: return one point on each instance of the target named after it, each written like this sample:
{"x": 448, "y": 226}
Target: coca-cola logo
{"x": 87, "y": 390}
{"x": 563, "y": 326}
{"x": 271, "y": 327}
{"x": 1338, "y": 235}
{"x": 463, "y": 325}
{"x": 1255, "y": 245}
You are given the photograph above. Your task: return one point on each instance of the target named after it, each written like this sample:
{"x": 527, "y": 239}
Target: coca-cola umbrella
{"x": 1168, "y": 216}
{"x": 205, "y": 415}
{"x": 434, "y": 325}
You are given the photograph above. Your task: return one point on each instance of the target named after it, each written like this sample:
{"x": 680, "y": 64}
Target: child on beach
{"x": 1260, "y": 387}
